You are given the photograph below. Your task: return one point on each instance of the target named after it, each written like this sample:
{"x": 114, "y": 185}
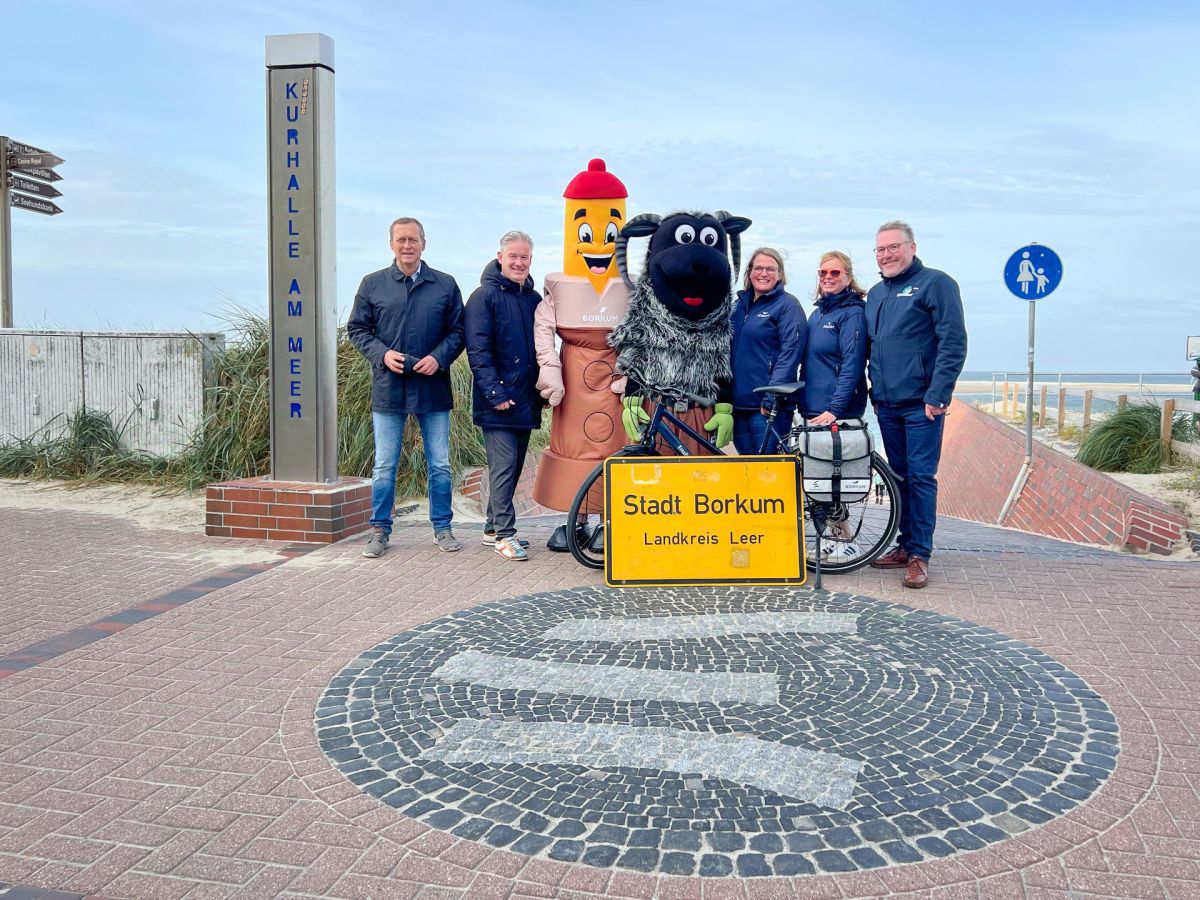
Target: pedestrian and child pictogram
{"x": 1033, "y": 272}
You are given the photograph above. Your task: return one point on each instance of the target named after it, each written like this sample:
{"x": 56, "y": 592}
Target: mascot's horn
{"x": 735, "y": 244}
{"x": 638, "y": 226}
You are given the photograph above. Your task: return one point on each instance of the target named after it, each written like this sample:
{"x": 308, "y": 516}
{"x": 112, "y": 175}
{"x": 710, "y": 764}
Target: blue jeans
{"x": 389, "y": 432}
{"x": 748, "y": 430}
{"x": 913, "y": 445}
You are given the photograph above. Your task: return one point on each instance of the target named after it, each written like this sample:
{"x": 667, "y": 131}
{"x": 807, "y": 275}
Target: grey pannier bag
{"x": 837, "y": 461}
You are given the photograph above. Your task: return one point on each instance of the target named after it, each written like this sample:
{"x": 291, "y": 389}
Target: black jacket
{"x": 422, "y": 320}
{"x": 501, "y": 352}
{"x": 918, "y": 337}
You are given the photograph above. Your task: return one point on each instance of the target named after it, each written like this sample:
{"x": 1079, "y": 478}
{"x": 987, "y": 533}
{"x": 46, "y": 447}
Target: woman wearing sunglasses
{"x": 835, "y": 358}
{"x": 835, "y": 364}
{"x": 768, "y": 344}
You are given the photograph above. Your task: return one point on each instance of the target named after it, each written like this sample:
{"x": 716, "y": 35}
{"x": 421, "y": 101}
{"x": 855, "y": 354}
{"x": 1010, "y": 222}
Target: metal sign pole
{"x": 1031, "y": 273}
{"x": 1029, "y": 391}
{"x": 6, "y": 298}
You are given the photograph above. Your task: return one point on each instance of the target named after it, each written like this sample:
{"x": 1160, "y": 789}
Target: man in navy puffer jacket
{"x": 918, "y": 347}
{"x": 506, "y": 403}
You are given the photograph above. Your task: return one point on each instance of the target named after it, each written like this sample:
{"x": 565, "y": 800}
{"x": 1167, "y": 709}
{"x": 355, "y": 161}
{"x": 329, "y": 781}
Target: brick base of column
{"x": 287, "y": 510}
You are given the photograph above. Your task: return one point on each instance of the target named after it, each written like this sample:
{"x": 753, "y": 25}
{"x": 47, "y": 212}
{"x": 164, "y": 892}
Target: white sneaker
{"x": 841, "y": 551}
{"x": 489, "y": 540}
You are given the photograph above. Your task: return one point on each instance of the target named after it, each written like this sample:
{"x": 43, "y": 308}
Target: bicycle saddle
{"x": 780, "y": 390}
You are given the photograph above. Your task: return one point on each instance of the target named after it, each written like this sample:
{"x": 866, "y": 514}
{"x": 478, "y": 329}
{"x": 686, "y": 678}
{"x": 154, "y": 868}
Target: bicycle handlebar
{"x": 667, "y": 395}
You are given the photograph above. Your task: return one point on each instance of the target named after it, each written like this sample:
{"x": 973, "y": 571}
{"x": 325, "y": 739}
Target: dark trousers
{"x": 749, "y": 427}
{"x": 505, "y": 448}
{"x": 913, "y": 445}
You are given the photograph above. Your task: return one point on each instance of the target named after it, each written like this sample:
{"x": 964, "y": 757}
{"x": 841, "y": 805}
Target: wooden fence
{"x": 1012, "y": 391}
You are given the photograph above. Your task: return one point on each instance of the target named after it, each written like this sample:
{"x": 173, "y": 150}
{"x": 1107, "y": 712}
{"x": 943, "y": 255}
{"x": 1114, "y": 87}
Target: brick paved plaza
{"x": 192, "y": 717}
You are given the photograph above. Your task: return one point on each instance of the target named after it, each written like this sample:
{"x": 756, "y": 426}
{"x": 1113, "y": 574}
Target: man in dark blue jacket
{"x": 506, "y": 403}
{"x": 918, "y": 347}
{"x": 408, "y": 322}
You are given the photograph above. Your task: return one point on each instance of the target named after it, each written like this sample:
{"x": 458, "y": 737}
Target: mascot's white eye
{"x": 610, "y": 233}
{"x": 685, "y": 234}
{"x": 585, "y": 233}
{"x": 708, "y": 236}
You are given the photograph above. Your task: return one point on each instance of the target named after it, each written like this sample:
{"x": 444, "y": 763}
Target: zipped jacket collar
{"x": 914, "y": 267}
{"x": 829, "y": 302}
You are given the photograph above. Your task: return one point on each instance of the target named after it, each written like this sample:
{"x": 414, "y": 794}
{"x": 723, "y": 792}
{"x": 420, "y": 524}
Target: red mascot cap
{"x": 595, "y": 183}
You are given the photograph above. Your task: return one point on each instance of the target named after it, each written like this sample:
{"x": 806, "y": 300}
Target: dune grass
{"x": 1129, "y": 440}
{"x": 235, "y": 437}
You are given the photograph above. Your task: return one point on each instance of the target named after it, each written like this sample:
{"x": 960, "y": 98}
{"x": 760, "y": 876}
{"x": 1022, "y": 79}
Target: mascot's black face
{"x": 688, "y": 261}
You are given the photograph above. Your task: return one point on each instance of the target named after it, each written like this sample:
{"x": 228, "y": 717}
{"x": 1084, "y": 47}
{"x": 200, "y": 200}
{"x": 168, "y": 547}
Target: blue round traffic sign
{"x": 1032, "y": 272}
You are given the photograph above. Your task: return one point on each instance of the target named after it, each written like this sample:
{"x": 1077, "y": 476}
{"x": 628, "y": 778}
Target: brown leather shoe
{"x": 917, "y": 574}
{"x": 896, "y": 559}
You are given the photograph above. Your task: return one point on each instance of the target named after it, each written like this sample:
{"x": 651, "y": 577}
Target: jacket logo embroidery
{"x": 829, "y": 326}
{"x": 764, "y": 315}
{"x": 908, "y": 291}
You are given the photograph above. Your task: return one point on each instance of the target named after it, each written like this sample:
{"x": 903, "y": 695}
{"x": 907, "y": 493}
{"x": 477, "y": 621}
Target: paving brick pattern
{"x": 695, "y": 732}
{"x": 178, "y": 757}
{"x": 64, "y": 570}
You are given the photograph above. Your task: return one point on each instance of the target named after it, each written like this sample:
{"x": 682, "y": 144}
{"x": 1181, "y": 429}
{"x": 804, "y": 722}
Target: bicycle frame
{"x": 657, "y": 427}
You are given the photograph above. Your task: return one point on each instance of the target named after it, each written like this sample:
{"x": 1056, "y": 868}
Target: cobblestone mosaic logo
{"x": 717, "y": 731}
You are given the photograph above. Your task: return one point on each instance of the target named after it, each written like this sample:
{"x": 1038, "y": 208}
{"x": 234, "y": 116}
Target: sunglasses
{"x": 830, "y": 273}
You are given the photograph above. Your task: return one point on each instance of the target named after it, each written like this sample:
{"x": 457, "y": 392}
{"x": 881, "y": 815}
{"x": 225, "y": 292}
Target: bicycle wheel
{"x": 853, "y": 533}
{"x": 586, "y": 539}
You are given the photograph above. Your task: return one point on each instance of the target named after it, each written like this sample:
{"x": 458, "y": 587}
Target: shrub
{"x": 1128, "y": 440}
{"x": 234, "y": 439}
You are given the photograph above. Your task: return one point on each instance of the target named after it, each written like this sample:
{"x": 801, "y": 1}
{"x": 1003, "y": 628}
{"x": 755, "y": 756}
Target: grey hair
{"x": 515, "y": 237}
{"x": 406, "y": 220}
{"x": 897, "y": 225}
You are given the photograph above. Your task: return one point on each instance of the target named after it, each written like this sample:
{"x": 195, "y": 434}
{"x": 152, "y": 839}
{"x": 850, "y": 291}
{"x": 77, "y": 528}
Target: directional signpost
{"x": 42, "y": 174}
{"x": 35, "y": 204}
{"x": 25, "y": 175}
{"x": 1031, "y": 273}
{"x": 29, "y": 186}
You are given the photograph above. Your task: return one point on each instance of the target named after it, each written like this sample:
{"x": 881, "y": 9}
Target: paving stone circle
{"x": 717, "y": 731}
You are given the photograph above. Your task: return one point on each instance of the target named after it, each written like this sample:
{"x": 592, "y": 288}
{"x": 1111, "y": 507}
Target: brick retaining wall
{"x": 1063, "y": 498}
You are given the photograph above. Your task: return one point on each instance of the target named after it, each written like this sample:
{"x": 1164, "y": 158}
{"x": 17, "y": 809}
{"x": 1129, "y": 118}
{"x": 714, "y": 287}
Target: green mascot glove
{"x": 722, "y": 423}
{"x": 633, "y": 417}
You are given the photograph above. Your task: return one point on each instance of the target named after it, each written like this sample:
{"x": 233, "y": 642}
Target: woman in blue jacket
{"x": 835, "y": 363}
{"x": 768, "y": 344}
{"x": 835, "y": 358}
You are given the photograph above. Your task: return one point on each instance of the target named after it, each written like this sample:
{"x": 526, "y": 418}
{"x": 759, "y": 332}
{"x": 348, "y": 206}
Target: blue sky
{"x": 984, "y": 125}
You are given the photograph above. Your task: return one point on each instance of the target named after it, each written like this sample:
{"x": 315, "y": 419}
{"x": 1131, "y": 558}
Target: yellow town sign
{"x": 710, "y": 520}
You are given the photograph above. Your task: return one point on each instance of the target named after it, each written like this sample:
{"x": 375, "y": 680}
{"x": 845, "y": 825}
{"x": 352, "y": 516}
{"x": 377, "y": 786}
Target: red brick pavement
{"x": 176, "y": 758}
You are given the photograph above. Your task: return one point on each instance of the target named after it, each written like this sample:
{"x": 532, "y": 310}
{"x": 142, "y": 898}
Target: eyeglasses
{"x": 764, "y": 270}
{"x": 830, "y": 273}
{"x": 890, "y": 248}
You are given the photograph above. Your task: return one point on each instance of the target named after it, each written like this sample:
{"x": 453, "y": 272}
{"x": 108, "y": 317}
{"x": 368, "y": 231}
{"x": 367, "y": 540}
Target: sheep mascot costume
{"x": 676, "y": 331}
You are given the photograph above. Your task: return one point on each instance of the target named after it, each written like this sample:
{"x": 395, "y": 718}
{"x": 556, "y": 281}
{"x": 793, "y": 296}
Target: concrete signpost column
{"x": 303, "y": 499}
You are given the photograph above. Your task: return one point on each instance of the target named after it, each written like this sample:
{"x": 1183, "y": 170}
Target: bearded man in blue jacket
{"x": 918, "y": 348}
